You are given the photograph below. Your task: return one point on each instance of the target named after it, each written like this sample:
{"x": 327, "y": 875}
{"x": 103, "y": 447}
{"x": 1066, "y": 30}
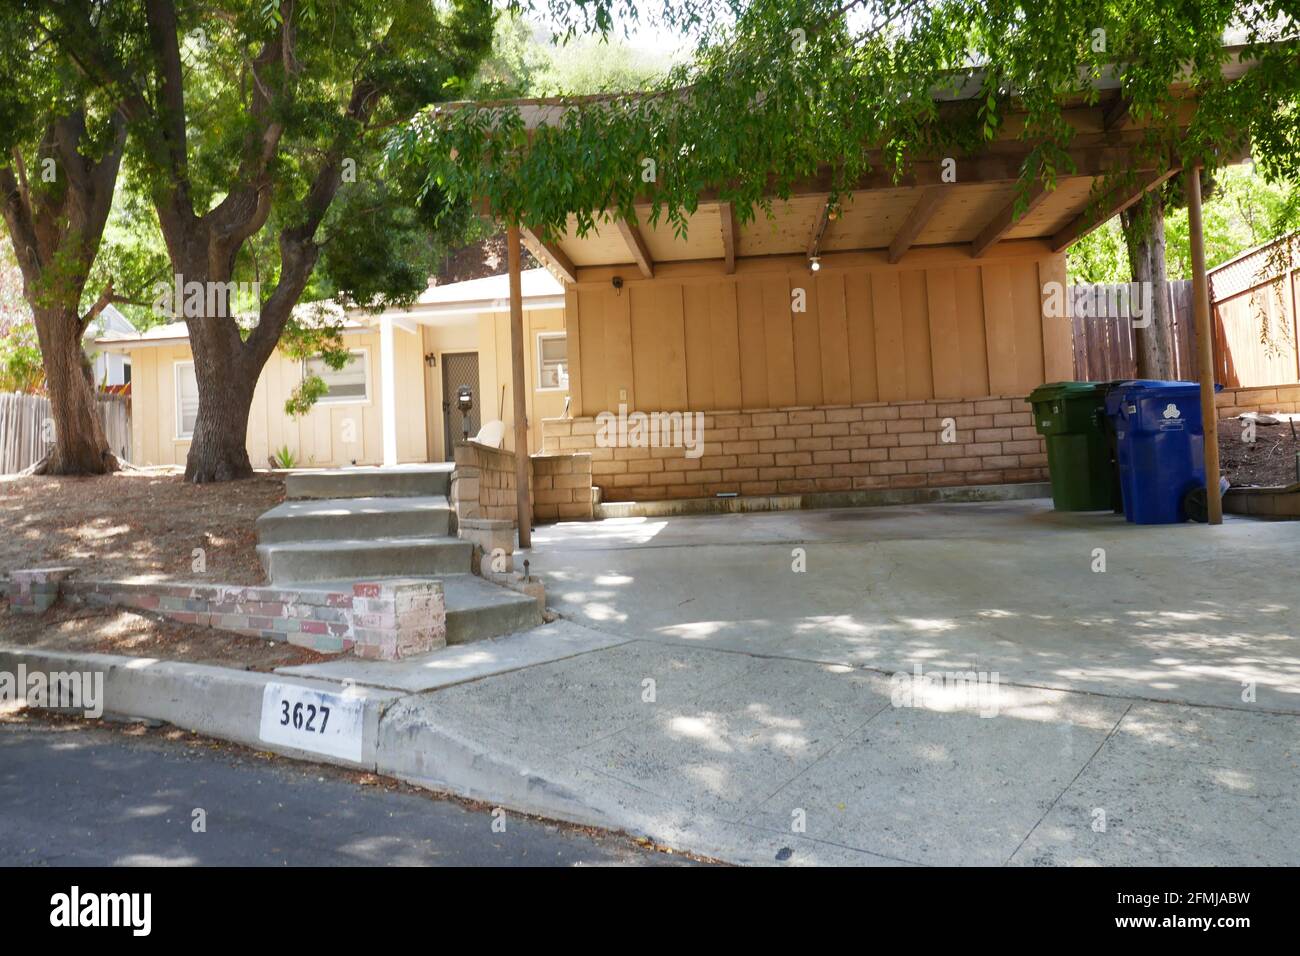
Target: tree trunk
{"x": 1144, "y": 234}
{"x": 80, "y": 447}
{"x": 226, "y": 366}
{"x": 219, "y": 449}
{"x": 56, "y": 235}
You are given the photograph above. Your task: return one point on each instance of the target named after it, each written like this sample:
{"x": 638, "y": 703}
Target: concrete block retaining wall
{"x": 382, "y": 620}
{"x": 832, "y": 448}
{"x": 1272, "y": 398}
{"x": 562, "y": 486}
{"x": 483, "y": 485}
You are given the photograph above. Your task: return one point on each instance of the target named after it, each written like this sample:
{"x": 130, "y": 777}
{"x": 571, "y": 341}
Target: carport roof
{"x": 891, "y": 214}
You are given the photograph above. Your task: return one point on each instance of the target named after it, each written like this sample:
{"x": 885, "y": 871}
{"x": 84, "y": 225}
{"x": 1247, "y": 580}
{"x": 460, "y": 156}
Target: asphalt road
{"x": 72, "y": 795}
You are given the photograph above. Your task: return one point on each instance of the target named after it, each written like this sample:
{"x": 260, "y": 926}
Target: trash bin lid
{"x": 1125, "y": 393}
{"x": 1056, "y": 390}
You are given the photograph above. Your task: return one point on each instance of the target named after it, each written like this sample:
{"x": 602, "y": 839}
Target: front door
{"x": 459, "y": 368}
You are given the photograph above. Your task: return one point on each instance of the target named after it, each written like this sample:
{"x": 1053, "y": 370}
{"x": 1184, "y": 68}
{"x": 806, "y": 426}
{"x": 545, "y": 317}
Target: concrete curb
{"x": 419, "y": 752}
{"x": 398, "y": 741}
{"x": 226, "y": 703}
{"x": 217, "y": 701}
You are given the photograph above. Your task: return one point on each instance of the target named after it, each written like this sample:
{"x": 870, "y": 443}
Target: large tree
{"x": 61, "y": 144}
{"x": 253, "y": 116}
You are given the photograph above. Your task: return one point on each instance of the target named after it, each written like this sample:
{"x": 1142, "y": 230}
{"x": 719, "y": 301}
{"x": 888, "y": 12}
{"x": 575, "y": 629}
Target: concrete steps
{"x": 363, "y": 559}
{"x": 400, "y": 482}
{"x": 476, "y": 609}
{"x": 336, "y": 519}
{"x": 365, "y": 524}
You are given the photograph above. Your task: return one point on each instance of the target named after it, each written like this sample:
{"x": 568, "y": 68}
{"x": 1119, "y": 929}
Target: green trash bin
{"x": 1071, "y": 416}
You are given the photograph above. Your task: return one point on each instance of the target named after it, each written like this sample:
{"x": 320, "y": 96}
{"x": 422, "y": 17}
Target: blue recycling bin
{"x": 1161, "y": 443}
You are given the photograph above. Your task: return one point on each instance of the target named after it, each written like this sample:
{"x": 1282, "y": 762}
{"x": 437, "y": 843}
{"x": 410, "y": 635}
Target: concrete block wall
{"x": 802, "y": 450}
{"x": 562, "y": 485}
{"x": 484, "y": 482}
{"x": 1272, "y": 398}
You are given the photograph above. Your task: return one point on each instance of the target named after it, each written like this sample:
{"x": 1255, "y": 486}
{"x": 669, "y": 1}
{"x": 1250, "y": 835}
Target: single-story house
{"x": 453, "y": 335}
{"x": 111, "y": 368}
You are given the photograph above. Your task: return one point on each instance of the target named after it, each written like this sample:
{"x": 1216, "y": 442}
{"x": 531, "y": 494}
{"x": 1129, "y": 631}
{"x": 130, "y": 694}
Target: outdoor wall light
{"x": 815, "y": 263}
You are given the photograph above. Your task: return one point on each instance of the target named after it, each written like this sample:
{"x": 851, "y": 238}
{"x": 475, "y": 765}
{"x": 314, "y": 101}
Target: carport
{"x": 828, "y": 342}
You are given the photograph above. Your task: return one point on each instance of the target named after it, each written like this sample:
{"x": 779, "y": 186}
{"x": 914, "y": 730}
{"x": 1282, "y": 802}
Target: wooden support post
{"x": 517, "y": 353}
{"x": 1204, "y": 345}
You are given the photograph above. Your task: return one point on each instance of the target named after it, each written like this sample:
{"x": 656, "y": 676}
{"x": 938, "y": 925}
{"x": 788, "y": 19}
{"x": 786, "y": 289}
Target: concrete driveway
{"x": 1181, "y": 613}
{"x": 1141, "y": 714}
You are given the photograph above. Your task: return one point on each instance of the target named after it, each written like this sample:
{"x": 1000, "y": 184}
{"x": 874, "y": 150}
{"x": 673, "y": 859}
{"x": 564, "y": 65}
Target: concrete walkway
{"x": 706, "y": 694}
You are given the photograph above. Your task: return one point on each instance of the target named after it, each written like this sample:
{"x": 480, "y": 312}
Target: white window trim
{"x": 364, "y": 352}
{"x": 176, "y": 389}
{"x": 551, "y": 335}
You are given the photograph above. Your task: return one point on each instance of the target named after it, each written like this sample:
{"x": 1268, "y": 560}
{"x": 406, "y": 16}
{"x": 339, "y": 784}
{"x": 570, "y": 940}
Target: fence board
{"x": 1104, "y": 348}
{"x": 24, "y": 436}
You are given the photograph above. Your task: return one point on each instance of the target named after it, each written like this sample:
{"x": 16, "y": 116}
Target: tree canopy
{"x": 255, "y": 133}
{"x": 780, "y": 88}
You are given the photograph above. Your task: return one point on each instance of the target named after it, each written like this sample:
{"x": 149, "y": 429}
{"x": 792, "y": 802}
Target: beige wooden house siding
{"x": 494, "y": 371}
{"x": 939, "y": 326}
{"x": 317, "y": 438}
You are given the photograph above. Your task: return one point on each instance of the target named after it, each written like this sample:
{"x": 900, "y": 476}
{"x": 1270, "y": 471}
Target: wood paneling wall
{"x": 316, "y": 438}
{"x": 946, "y": 328}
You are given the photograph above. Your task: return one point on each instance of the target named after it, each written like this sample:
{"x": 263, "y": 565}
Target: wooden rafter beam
{"x": 1119, "y": 199}
{"x": 728, "y": 215}
{"x": 915, "y": 222}
{"x": 1116, "y": 112}
{"x": 637, "y": 248}
{"x": 1007, "y": 217}
{"x": 550, "y": 254}
{"x": 1002, "y": 165}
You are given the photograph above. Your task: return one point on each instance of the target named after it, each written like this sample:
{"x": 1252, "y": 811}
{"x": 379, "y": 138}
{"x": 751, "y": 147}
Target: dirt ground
{"x": 1268, "y": 461}
{"x": 136, "y": 524}
{"x": 117, "y": 631}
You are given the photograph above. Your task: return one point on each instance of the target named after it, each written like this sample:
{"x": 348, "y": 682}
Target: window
{"x": 351, "y": 383}
{"x": 552, "y": 361}
{"x": 187, "y": 399}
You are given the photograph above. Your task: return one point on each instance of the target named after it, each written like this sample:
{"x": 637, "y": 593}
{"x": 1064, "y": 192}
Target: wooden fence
{"x": 1103, "y": 347}
{"x": 25, "y": 435}
{"x": 1253, "y": 301}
